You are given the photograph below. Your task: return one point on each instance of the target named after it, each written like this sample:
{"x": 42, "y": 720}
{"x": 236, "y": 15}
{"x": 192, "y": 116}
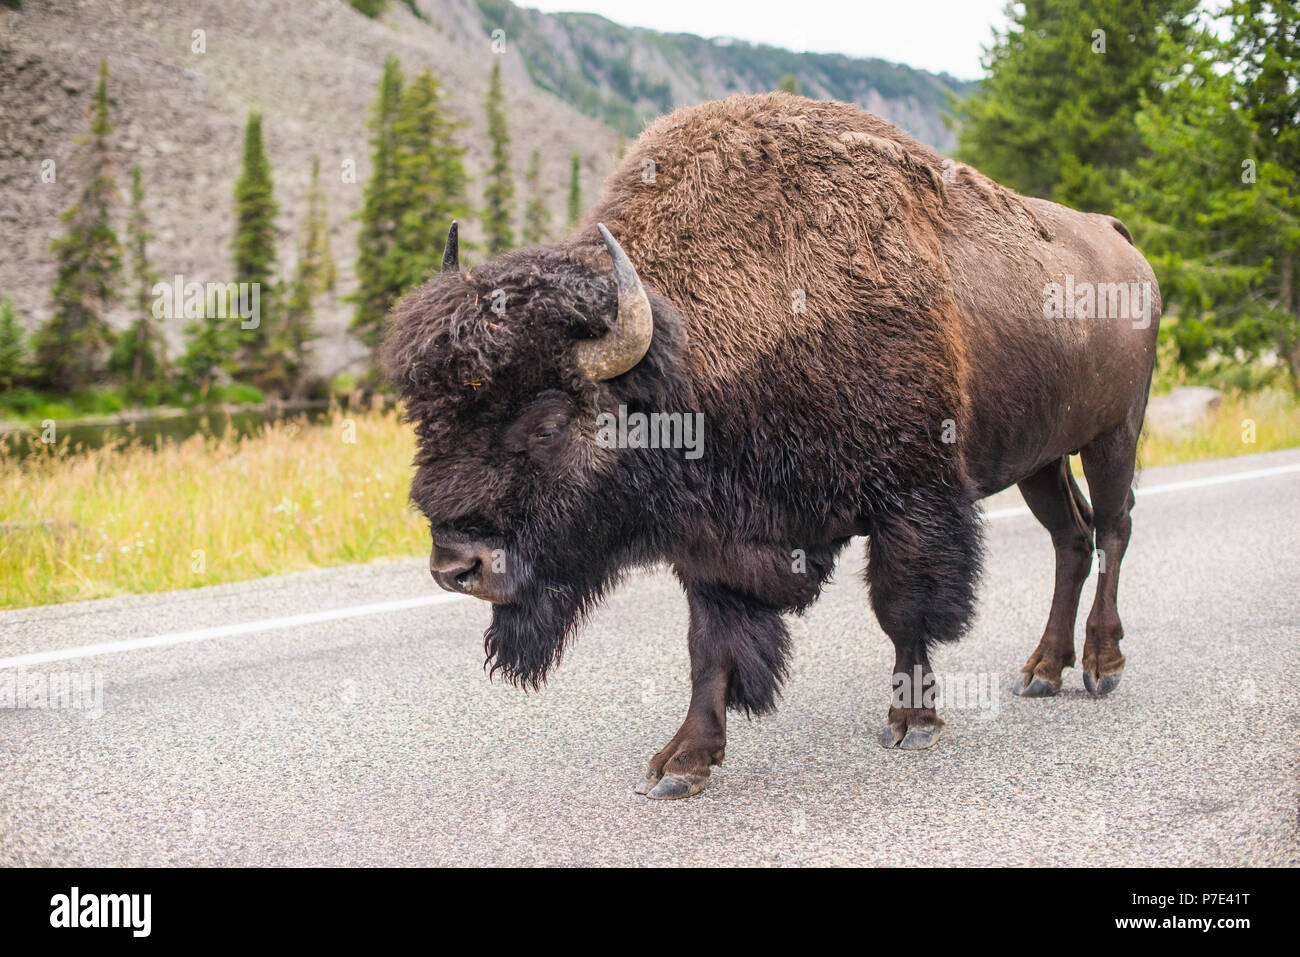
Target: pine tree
{"x": 254, "y": 247}
{"x": 575, "y": 192}
{"x": 789, "y": 84}
{"x": 313, "y": 276}
{"x": 431, "y": 180}
{"x": 498, "y": 195}
{"x": 378, "y": 284}
{"x": 141, "y": 353}
{"x": 208, "y": 353}
{"x": 71, "y": 347}
{"x": 1216, "y": 198}
{"x": 537, "y": 217}
{"x": 1054, "y": 116}
{"x": 13, "y": 352}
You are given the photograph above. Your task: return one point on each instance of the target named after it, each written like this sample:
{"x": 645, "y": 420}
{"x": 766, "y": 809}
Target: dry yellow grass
{"x": 1243, "y": 423}
{"x": 134, "y": 518}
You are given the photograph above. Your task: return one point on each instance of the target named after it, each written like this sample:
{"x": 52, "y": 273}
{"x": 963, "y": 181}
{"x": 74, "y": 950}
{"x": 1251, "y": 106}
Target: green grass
{"x": 133, "y": 518}
{"x": 1244, "y": 422}
{"x": 29, "y": 406}
{"x": 1254, "y": 394}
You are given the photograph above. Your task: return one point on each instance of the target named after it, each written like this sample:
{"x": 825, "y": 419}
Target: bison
{"x": 873, "y": 337}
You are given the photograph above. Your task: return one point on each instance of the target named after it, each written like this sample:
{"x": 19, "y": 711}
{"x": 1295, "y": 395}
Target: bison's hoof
{"x": 647, "y": 783}
{"x": 1102, "y": 685}
{"x": 672, "y": 786}
{"x": 1032, "y": 686}
{"x": 918, "y": 739}
{"x": 909, "y": 739}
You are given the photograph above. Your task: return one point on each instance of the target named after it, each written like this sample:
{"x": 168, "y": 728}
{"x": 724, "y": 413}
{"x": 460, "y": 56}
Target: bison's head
{"x": 504, "y": 370}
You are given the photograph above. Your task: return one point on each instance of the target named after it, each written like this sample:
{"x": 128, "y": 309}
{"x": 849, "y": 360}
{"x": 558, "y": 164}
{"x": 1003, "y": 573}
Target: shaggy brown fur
{"x": 755, "y": 197}
{"x": 732, "y": 208}
{"x": 861, "y": 323}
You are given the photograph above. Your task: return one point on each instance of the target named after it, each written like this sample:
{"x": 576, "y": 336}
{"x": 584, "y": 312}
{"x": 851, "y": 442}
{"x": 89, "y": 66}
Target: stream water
{"x": 168, "y": 428}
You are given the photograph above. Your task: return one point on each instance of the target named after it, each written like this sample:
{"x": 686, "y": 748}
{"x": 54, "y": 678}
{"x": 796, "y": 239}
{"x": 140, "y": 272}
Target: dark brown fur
{"x": 920, "y": 374}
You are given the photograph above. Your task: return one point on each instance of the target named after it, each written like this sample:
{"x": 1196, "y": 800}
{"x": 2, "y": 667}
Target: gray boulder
{"x": 1181, "y": 411}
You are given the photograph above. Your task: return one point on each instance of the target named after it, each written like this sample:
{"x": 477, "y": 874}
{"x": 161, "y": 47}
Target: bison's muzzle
{"x": 467, "y": 568}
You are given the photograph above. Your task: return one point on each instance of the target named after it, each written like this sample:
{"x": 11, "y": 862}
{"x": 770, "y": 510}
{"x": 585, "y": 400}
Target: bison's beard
{"x": 528, "y": 637}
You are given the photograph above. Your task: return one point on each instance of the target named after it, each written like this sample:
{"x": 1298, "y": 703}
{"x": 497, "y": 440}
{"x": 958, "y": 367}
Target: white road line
{"x": 1015, "y": 510}
{"x": 1010, "y": 511}
{"x": 384, "y": 607}
{"x": 226, "y": 631}
{"x": 1217, "y": 480}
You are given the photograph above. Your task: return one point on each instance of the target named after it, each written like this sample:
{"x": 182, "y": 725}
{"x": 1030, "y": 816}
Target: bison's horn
{"x": 451, "y": 253}
{"x": 629, "y": 336}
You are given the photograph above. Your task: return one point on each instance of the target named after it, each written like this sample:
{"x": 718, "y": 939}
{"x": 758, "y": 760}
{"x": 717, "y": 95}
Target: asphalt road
{"x": 372, "y": 736}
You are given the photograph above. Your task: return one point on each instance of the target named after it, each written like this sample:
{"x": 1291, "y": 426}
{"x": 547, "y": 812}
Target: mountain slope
{"x": 310, "y": 66}
{"x": 626, "y": 76}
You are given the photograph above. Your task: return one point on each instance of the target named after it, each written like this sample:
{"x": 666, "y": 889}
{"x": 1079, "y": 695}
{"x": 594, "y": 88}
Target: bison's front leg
{"x": 738, "y": 652}
{"x": 921, "y": 572}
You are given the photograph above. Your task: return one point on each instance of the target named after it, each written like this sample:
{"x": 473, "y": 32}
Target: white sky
{"x": 938, "y": 35}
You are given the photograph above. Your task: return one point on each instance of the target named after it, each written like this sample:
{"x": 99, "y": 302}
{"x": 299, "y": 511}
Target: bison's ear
{"x": 629, "y": 335}
{"x": 451, "y": 252}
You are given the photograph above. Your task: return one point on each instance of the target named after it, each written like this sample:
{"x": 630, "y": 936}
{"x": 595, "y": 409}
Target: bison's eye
{"x": 539, "y": 430}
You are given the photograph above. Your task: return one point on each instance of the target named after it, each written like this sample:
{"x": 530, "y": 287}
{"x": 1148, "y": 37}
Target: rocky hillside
{"x": 627, "y": 76}
{"x": 311, "y": 67}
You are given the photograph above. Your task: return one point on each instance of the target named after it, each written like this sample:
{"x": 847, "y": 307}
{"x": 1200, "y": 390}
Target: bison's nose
{"x": 459, "y": 566}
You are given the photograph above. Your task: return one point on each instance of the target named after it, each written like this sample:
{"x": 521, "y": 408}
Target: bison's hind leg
{"x": 921, "y": 571}
{"x": 1057, "y": 503}
{"x": 1108, "y": 463}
